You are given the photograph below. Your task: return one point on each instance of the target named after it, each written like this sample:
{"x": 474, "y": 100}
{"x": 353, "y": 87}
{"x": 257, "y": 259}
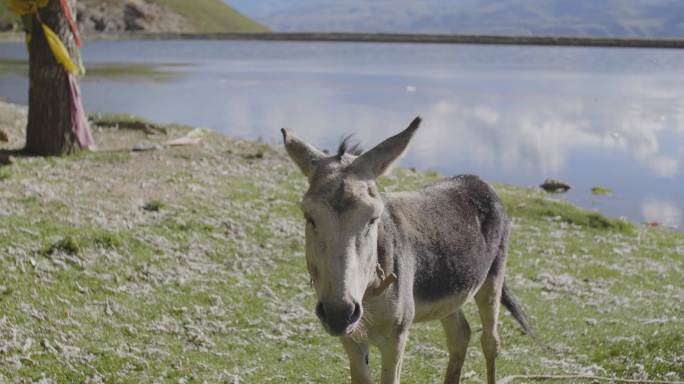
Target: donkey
{"x": 382, "y": 261}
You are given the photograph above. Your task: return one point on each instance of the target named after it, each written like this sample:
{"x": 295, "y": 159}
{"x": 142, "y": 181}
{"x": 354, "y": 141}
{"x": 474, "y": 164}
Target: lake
{"x": 594, "y": 117}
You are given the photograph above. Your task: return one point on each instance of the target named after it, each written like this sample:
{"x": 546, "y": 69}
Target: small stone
{"x": 6, "y": 159}
{"x": 4, "y": 136}
{"x": 216, "y": 300}
{"x": 48, "y": 346}
{"x": 554, "y": 186}
{"x": 146, "y": 146}
{"x": 26, "y": 345}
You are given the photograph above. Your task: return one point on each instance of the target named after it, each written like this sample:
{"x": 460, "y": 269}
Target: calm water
{"x": 591, "y": 116}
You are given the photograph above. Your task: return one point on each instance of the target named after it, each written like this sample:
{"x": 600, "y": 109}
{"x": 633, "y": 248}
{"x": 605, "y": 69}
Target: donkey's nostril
{"x": 337, "y": 316}
{"x": 320, "y": 311}
{"x": 356, "y": 315}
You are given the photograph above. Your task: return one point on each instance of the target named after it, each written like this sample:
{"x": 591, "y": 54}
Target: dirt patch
{"x": 118, "y": 169}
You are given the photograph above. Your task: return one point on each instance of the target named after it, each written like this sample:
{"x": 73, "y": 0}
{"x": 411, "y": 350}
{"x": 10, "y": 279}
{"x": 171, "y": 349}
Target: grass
{"x": 103, "y": 70}
{"x": 7, "y": 18}
{"x": 601, "y": 191}
{"x": 67, "y": 244}
{"x": 113, "y": 70}
{"x": 541, "y": 206}
{"x": 114, "y": 119}
{"x": 153, "y": 206}
{"x": 5, "y": 173}
{"x": 213, "y": 286}
{"x": 124, "y": 121}
{"x": 208, "y": 16}
{"x": 213, "y": 16}
{"x": 19, "y": 67}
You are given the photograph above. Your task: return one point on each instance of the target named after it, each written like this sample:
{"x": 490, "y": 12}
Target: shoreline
{"x": 140, "y": 121}
{"x": 400, "y": 38}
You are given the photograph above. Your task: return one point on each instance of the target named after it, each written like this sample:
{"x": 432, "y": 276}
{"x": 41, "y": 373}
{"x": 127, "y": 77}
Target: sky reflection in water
{"x": 593, "y": 117}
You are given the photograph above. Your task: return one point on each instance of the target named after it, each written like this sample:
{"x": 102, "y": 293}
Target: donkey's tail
{"x": 511, "y": 303}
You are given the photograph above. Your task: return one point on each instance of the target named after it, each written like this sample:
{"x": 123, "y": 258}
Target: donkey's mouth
{"x": 346, "y": 331}
{"x": 352, "y": 328}
{"x": 339, "y": 319}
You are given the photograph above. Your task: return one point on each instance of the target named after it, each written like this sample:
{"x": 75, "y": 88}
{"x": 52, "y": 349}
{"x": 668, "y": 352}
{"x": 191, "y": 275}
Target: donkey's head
{"x": 342, "y": 207}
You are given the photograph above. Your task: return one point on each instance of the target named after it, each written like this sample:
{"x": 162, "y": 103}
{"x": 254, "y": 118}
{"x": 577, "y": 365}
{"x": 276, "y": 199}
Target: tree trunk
{"x": 49, "y": 129}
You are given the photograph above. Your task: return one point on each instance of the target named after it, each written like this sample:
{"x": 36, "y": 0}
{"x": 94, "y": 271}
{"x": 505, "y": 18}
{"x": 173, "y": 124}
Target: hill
{"x": 116, "y": 16}
{"x": 587, "y": 18}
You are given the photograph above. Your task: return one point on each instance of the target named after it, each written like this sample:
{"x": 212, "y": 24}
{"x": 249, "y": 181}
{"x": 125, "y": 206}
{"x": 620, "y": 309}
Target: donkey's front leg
{"x": 358, "y": 361}
{"x": 392, "y": 356}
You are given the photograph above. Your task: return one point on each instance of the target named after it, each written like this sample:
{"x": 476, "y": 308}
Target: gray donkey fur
{"x": 382, "y": 261}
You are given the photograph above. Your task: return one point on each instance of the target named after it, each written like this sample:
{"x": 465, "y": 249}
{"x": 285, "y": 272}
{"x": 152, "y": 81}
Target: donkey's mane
{"x": 349, "y": 145}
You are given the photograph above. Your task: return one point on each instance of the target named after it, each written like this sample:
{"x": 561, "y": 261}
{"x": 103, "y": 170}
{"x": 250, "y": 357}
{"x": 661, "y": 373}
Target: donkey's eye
{"x": 370, "y": 224}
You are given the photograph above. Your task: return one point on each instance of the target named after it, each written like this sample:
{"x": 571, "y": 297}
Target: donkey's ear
{"x": 379, "y": 159}
{"x": 303, "y": 154}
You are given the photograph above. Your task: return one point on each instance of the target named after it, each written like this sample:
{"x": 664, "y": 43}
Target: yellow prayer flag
{"x": 59, "y": 50}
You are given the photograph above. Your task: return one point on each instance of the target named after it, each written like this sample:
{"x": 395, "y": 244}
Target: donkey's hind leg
{"x": 458, "y": 335}
{"x": 488, "y": 299}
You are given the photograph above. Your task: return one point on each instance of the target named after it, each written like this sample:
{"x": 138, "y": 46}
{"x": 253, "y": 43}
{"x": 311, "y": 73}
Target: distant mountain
{"x": 598, "y": 18}
{"x": 114, "y": 16}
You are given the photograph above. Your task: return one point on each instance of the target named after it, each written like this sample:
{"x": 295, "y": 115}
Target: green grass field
{"x": 208, "y": 16}
{"x": 213, "y": 16}
{"x": 211, "y": 285}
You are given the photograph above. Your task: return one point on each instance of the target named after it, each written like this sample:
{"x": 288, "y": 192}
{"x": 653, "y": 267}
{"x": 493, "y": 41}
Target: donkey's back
{"x": 456, "y": 231}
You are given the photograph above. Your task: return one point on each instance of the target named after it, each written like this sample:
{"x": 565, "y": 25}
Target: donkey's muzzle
{"x": 337, "y": 317}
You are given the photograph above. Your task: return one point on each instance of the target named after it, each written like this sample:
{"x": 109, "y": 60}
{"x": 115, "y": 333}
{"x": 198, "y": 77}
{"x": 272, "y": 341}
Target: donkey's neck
{"x": 389, "y": 237}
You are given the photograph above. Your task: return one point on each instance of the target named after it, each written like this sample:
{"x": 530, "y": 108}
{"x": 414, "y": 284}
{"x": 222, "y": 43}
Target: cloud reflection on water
{"x": 627, "y": 140}
{"x": 542, "y": 134}
{"x": 534, "y": 133}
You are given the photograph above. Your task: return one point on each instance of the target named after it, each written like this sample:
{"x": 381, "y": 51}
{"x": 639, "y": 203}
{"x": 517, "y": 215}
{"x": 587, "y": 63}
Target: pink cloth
{"x": 79, "y": 124}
